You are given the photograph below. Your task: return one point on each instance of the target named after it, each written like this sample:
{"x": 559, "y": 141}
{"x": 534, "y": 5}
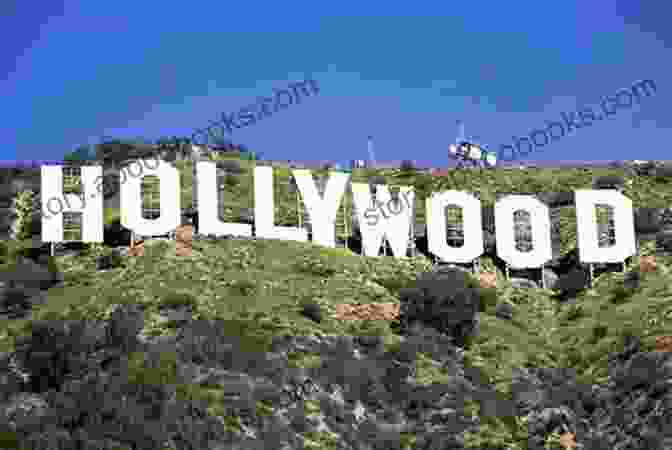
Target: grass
{"x": 257, "y": 288}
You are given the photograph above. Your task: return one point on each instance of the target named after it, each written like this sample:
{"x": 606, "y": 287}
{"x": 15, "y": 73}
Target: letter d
{"x": 512, "y": 152}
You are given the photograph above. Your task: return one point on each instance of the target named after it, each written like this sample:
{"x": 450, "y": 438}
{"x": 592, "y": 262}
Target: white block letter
{"x": 541, "y": 231}
{"x": 52, "y": 195}
{"x": 586, "y": 226}
{"x": 264, "y": 210}
{"x": 436, "y": 226}
{"x": 322, "y": 210}
{"x": 208, "y": 222}
{"x": 169, "y": 196}
{"x": 394, "y": 227}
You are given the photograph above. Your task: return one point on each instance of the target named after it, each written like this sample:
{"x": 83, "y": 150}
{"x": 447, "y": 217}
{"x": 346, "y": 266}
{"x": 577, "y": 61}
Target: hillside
{"x": 255, "y": 291}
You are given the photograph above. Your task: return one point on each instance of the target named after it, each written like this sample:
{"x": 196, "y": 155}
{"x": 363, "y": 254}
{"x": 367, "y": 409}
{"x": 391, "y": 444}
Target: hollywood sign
{"x": 323, "y": 209}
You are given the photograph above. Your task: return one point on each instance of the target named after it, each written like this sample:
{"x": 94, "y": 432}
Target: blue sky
{"x": 75, "y": 71}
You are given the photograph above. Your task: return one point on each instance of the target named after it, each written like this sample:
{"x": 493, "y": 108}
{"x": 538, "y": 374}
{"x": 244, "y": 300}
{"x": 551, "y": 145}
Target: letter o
{"x": 550, "y": 130}
{"x": 392, "y": 202}
{"x": 278, "y": 104}
{"x": 59, "y": 203}
{"x": 535, "y": 132}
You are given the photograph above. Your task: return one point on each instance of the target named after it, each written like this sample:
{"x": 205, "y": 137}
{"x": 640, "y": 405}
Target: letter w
{"x": 395, "y": 228}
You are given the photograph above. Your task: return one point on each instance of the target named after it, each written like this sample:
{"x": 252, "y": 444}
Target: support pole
{"x": 252, "y": 163}
{"x": 591, "y": 274}
{"x": 346, "y": 219}
{"x": 414, "y": 248}
{"x": 543, "y": 279}
{"x": 299, "y": 210}
{"x": 506, "y": 271}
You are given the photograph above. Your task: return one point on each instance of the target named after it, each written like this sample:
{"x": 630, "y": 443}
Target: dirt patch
{"x": 137, "y": 250}
{"x": 184, "y": 237}
{"x": 664, "y": 344}
{"x": 184, "y": 233}
{"x": 367, "y": 311}
{"x": 487, "y": 280}
{"x": 647, "y": 264}
{"x": 567, "y": 440}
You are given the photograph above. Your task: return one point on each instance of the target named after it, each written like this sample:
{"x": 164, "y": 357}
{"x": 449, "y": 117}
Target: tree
{"x": 115, "y": 150}
{"x": 219, "y": 141}
{"x": 81, "y": 153}
{"x": 407, "y": 166}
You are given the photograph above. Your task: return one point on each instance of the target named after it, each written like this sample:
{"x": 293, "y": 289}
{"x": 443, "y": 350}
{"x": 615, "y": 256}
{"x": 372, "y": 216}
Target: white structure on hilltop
{"x": 467, "y": 151}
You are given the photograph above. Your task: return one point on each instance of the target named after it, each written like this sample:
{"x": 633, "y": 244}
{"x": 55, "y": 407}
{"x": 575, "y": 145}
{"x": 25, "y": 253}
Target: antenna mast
{"x": 460, "y": 133}
{"x": 372, "y": 156}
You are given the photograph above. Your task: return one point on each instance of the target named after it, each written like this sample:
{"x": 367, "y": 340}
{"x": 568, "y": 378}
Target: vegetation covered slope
{"x": 258, "y": 288}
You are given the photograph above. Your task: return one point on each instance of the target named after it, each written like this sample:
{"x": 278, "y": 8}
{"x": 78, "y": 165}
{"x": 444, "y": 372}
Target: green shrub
{"x": 244, "y": 287}
{"x": 176, "y": 299}
{"x": 152, "y": 368}
{"x": 315, "y": 266}
{"x": 599, "y": 331}
{"x": 620, "y": 294}
{"x": 156, "y": 249}
{"x": 24, "y": 205}
{"x": 116, "y": 260}
{"x": 11, "y": 250}
{"x": 445, "y": 301}
{"x": 9, "y": 440}
{"x": 488, "y": 297}
{"x": 573, "y": 312}
{"x": 372, "y": 328}
{"x": 231, "y": 181}
{"x": 393, "y": 279}
{"x": 52, "y": 264}
{"x": 4, "y": 252}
